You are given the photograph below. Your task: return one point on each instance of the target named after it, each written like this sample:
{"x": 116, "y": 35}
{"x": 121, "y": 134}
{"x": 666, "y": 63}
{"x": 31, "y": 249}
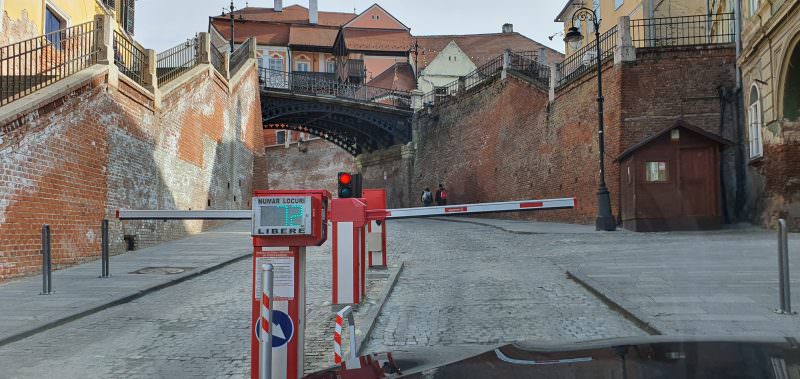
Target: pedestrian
{"x": 441, "y": 195}
{"x": 427, "y": 197}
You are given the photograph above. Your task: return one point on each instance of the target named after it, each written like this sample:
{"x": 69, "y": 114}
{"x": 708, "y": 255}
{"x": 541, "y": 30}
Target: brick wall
{"x": 506, "y": 141}
{"x": 107, "y": 147}
{"x": 313, "y": 167}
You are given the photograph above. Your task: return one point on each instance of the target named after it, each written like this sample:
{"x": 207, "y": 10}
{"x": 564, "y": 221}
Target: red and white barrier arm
{"x": 506, "y": 206}
{"x": 388, "y": 214}
{"x": 211, "y": 214}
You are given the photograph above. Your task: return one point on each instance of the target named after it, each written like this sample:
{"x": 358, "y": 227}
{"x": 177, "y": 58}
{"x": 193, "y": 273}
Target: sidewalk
{"x": 722, "y": 282}
{"x": 79, "y": 291}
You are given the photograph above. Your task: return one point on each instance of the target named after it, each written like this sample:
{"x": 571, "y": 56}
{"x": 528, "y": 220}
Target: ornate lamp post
{"x": 233, "y": 22}
{"x": 605, "y": 220}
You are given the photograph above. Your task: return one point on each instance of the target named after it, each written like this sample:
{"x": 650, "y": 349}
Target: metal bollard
{"x": 784, "y": 285}
{"x": 265, "y": 346}
{"x": 353, "y": 361}
{"x": 47, "y": 278}
{"x": 104, "y": 258}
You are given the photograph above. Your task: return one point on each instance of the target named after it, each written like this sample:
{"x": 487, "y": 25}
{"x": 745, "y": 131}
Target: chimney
{"x": 508, "y": 28}
{"x": 313, "y": 16}
{"x": 278, "y": 6}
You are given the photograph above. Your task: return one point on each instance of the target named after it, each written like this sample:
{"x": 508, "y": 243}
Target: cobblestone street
{"x": 467, "y": 284}
{"x": 478, "y": 285}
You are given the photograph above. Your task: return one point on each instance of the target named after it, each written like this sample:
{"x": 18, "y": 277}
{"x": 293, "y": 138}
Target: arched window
{"x": 330, "y": 65}
{"x": 276, "y": 62}
{"x": 303, "y": 64}
{"x": 791, "y": 87}
{"x": 755, "y": 120}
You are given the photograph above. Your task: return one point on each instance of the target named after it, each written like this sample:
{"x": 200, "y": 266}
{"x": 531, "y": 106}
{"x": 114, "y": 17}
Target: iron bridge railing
{"x": 129, "y": 57}
{"x": 327, "y": 85}
{"x": 175, "y": 61}
{"x": 30, "y": 65}
{"x": 239, "y": 56}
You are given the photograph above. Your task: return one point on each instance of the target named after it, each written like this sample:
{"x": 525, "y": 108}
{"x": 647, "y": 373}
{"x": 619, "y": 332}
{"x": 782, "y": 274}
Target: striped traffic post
{"x": 265, "y": 347}
{"x": 353, "y": 361}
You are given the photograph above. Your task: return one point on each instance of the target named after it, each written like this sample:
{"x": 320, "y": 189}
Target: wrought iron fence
{"x": 175, "y": 61}
{"x": 239, "y": 56}
{"x": 326, "y": 84}
{"x": 30, "y": 65}
{"x": 684, "y": 30}
{"x": 527, "y": 64}
{"x": 129, "y": 57}
{"x": 483, "y": 73}
{"x": 585, "y": 58}
{"x": 218, "y": 60}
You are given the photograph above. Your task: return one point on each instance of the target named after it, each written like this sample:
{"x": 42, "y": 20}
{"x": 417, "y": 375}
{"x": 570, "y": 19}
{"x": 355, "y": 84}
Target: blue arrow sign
{"x": 282, "y": 328}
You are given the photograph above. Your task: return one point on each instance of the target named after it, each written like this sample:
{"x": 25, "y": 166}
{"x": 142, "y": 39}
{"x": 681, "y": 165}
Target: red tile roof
{"x": 400, "y": 76}
{"x": 293, "y": 14}
{"x": 377, "y": 40}
{"x": 312, "y": 36}
{"x": 480, "y": 48}
{"x": 265, "y": 33}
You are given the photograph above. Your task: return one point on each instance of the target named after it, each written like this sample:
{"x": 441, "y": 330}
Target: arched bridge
{"x": 357, "y": 118}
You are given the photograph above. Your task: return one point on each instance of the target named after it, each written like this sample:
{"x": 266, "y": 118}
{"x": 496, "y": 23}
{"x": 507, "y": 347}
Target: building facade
{"x": 611, "y": 10}
{"x": 24, "y": 19}
{"x": 770, "y": 69}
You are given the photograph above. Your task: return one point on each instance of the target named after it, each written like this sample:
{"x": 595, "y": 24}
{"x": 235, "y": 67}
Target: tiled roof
{"x": 480, "y": 48}
{"x": 312, "y": 36}
{"x": 265, "y": 33}
{"x": 293, "y": 14}
{"x": 400, "y": 77}
{"x": 377, "y": 40}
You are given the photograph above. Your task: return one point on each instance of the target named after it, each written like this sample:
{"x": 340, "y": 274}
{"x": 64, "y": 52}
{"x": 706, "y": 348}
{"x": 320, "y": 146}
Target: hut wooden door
{"x": 697, "y": 170}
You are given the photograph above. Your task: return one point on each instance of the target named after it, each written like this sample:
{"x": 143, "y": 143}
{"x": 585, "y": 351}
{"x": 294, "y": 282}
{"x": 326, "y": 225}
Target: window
{"x": 330, "y": 66}
{"x": 52, "y": 24}
{"x": 276, "y": 63}
{"x": 618, "y": 3}
{"x": 753, "y": 5}
{"x": 125, "y": 14}
{"x": 303, "y": 66}
{"x": 754, "y": 118}
{"x": 280, "y": 137}
{"x": 655, "y": 171}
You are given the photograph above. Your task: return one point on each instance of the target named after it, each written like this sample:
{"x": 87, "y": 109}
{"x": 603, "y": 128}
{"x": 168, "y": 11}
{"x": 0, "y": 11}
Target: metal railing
{"x": 684, "y": 30}
{"x": 585, "y": 58}
{"x": 480, "y": 75}
{"x": 526, "y": 63}
{"x": 129, "y": 57}
{"x": 239, "y": 56}
{"x": 326, "y": 84}
{"x": 218, "y": 60}
{"x": 175, "y": 61}
{"x": 30, "y": 65}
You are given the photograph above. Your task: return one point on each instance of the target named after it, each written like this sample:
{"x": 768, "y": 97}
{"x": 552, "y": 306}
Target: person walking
{"x": 441, "y": 195}
{"x": 427, "y": 197}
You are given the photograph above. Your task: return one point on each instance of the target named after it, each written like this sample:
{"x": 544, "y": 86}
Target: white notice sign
{"x": 283, "y": 277}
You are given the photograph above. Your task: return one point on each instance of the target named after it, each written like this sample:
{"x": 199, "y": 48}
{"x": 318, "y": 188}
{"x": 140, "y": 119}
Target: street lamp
{"x": 233, "y": 20}
{"x": 605, "y": 220}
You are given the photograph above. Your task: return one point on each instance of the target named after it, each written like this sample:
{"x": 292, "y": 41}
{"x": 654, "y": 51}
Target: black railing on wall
{"x": 30, "y": 65}
{"x": 527, "y": 64}
{"x": 174, "y": 62}
{"x": 239, "y": 56}
{"x": 585, "y": 58}
{"x": 326, "y": 84}
{"x": 129, "y": 57}
{"x": 684, "y": 30}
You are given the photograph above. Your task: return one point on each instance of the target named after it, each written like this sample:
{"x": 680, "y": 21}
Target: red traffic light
{"x": 345, "y": 178}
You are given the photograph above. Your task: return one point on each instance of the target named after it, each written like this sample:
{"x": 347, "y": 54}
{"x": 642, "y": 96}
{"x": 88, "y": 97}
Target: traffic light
{"x": 345, "y": 185}
{"x": 349, "y": 185}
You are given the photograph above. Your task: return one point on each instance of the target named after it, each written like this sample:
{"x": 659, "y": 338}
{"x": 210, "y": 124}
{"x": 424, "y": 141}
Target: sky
{"x": 161, "y": 24}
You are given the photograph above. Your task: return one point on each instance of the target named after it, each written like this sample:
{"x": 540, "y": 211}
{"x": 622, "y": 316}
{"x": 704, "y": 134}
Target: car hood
{"x": 646, "y": 357}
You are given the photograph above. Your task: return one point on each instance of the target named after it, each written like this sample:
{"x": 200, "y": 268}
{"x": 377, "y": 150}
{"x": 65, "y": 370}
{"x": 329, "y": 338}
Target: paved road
{"x": 464, "y": 286}
{"x": 467, "y": 284}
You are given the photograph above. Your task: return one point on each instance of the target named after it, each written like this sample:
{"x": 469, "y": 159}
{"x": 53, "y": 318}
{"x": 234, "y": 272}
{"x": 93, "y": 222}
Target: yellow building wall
{"x": 75, "y": 11}
{"x": 635, "y": 9}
